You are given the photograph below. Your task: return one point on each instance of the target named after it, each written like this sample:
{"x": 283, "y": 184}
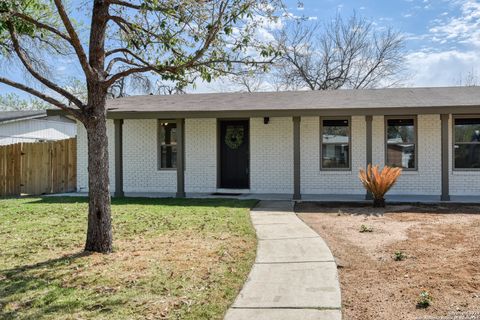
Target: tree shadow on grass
{"x": 213, "y": 202}
{"x": 37, "y": 290}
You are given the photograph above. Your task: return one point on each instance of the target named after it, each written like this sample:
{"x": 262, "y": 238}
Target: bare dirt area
{"x": 440, "y": 247}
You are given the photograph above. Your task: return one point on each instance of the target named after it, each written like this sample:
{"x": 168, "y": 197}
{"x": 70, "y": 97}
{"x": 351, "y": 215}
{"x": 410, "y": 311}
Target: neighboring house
{"x": 299, "y": 144}
{"x": 34, "y": 126}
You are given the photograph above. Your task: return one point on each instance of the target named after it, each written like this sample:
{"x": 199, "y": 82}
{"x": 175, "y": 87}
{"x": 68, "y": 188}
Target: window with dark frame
{"x": 335, "y": 140}
{"x": 167, "y": 157}
{"x": 401, "y": 143}
{"x": 467, "y": 143}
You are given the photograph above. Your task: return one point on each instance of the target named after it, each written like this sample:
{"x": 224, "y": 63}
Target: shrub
{"x": 425, "y": 300}
{"x": 379, "y": 182}
{"x": 364, "y": 228}
{"x": 399, "y": 256}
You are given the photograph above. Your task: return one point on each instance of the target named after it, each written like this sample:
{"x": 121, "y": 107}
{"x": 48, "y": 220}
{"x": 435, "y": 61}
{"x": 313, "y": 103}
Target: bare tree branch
{"x": 115, "y": 60}
{"x": 25, "y": 61}
{"x": 471, "y": 79}
{"x": 343, "y": 54}
{"x": 127, "y": 72}
{"x": 130, "y": 5}
{"x": 126, "y": 52}
{"x": 42, "y": 96}
{"x": 41, "y": 25}
{"x": 190, "y": 63}
{"x": 75, "y": 40}
{"x": 249, "y": 82}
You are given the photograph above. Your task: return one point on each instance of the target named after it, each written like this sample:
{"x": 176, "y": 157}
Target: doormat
{"x": 226, "y": 194}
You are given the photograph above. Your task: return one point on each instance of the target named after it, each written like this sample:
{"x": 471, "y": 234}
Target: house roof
{"x": 9, "y": 116}
{"x": 300, "y": 103}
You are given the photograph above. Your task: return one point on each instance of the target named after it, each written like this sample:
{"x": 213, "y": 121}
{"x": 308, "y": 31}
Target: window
{"x": 401, "y": 143}
{"x": 167, "y": 145}
{"x": 467, "y": 143}
{"x": 335, "y": 150}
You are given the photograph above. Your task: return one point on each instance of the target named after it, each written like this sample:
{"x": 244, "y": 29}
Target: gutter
{"x": 391, "y": 111}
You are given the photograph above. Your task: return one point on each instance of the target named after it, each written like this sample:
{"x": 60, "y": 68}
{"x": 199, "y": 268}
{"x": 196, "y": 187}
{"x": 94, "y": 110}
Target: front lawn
{"x": 175, "y": 259}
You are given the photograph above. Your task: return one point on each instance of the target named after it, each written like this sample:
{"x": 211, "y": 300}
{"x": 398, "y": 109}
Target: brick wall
{"x": 141, "y": 172}
{"x": 82, "y": 157}
{"x": 140, "y": 162}
{"x": 271, "y": 155}
{"x": 316, "y": 181}
{"x": 271, "y": 158}
{"x": 462, "y": 183}
{"x": 427, "y": 179}
{"x": 201, "y": 155}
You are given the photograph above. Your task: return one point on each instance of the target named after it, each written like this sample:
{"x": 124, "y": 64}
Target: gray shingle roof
{"x": 18, "y": 115}
{"x": 302, "y": 100}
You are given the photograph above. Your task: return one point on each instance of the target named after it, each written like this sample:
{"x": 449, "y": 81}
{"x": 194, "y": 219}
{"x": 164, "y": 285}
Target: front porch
{"x": 283, "y": 160}
{"x": 323, "y": 198}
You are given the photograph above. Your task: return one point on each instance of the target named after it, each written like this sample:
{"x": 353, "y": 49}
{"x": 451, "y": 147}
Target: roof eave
{"x": 158, "y": 114}
{"x": 117, "y": 114}
{"x": 22, "y": 119}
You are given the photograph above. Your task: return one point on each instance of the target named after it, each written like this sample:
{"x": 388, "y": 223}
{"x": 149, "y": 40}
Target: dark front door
{"x": 234, "y": 154}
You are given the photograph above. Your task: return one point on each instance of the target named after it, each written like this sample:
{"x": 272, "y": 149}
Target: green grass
{"x": 173, "y": 258}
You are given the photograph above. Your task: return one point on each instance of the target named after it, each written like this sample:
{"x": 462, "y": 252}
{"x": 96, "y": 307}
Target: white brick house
{"x": 298, "y": 144}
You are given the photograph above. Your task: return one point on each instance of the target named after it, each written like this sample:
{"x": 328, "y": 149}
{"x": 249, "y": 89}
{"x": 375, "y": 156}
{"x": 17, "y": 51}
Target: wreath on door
{"x": 234, "y": 136}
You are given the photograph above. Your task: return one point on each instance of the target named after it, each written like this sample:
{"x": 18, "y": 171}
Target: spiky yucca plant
{"x": 379, "y": 182}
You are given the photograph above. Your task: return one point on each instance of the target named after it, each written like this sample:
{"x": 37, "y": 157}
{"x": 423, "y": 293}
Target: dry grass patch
{"x": 440, "y": 248}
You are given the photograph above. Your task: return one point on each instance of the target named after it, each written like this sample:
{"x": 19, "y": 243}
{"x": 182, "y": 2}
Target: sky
{"x": 442, "y": 37}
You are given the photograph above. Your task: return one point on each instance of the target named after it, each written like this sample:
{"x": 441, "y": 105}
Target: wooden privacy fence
{"x": 38, "y": 168}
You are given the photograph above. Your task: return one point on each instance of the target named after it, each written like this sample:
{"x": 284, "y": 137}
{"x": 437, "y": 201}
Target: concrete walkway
{"x": 294, "y": 275}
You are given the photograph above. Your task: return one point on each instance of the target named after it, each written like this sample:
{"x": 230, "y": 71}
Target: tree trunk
{"x": 379, "y": 203}
{"x": 99, "y": 233}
